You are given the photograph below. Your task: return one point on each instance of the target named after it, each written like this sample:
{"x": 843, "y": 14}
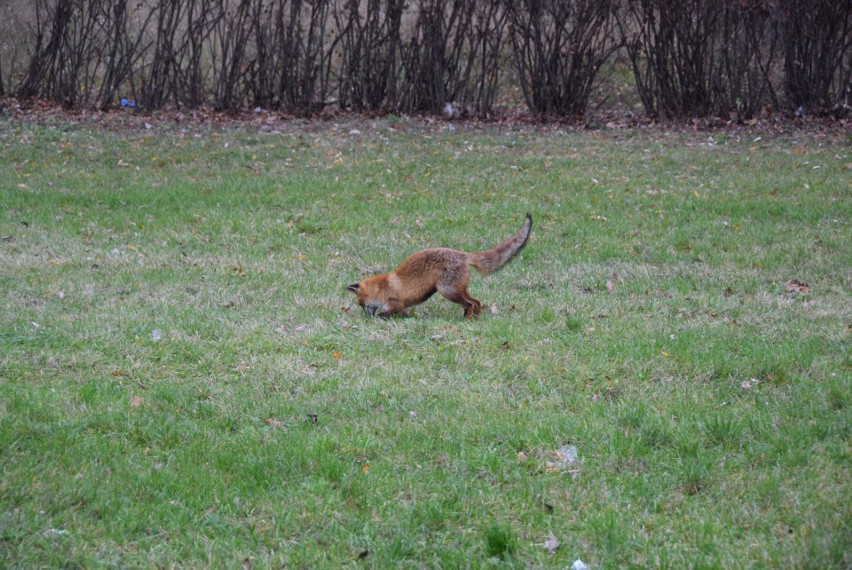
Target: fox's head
{"x": 371, "y": 294}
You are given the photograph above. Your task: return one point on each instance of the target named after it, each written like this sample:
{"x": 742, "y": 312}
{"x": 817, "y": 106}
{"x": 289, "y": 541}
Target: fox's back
{"x": 431, "y": 265}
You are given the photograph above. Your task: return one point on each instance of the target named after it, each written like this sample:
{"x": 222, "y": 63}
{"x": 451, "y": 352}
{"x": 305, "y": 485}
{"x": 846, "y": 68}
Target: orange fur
{"x": 442, "y": 270}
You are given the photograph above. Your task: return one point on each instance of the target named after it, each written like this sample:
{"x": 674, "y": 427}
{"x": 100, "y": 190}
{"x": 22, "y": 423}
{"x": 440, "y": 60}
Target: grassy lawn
{"x": 185, "y": 382}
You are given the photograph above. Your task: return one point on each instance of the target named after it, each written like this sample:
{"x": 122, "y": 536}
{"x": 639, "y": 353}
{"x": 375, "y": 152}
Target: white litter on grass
{"x": 567, "y": 455}
{"x": 156, "y": 335}
{"x": 579, "y": 565}
{"x": 56, "y": 532}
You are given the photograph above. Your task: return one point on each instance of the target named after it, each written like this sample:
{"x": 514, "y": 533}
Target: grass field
{"x": 184, "y": 381}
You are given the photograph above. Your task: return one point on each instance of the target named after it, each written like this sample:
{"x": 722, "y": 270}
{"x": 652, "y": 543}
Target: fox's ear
{"x": 354, "y": 287}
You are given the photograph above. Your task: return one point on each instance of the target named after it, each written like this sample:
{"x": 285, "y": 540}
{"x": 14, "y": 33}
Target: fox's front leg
{"x": 392, "y": 307}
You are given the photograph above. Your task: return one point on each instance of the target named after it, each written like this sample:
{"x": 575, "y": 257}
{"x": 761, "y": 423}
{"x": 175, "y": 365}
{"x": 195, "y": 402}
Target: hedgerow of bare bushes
{"x": 688, "y": 58}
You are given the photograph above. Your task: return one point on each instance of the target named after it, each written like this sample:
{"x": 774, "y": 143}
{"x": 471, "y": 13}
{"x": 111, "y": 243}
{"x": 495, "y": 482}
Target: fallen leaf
{"x": 271, "y": 422}
{"x": 239, "y": 271}
{"x": 336, "y": 354}
{"x": 119, "y": 374}
{"x": 796, "y": 286}
{"x": 365, "y": 468}
{"x": 664, "y": 353}
{"x": 136, "y": 402}
{"x": 729, "y": 292}
{"x": 609, "y": 286}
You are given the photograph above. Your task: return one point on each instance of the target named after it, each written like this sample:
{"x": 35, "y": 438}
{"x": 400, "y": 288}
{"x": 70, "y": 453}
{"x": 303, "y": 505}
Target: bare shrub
{"x": 83, "y": 52}
{"x": 559, "y": 47}
{"x": 369, "y": 53}
{"x": 302, "y": 30}
{"x": 230, "y": 38}
{"x": 452, "y": 56}
{"x": 176, "y": 72}
{"x": 749, "y": 52}
{"x": 674, "y": 48}
{"x": 817, "y": 39}
{"x": 16, "y": 22}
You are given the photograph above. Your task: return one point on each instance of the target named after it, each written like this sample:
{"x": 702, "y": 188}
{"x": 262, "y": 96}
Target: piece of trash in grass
{"x": 565, "y": 458}
{"x": 566, "y": 454}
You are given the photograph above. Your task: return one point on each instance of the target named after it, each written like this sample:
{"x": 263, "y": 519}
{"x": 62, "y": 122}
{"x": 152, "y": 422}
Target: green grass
{"x": 646, "y": 323}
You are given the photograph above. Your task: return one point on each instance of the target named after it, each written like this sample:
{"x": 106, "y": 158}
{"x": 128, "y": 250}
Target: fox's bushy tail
{"x": 495, "y": 258}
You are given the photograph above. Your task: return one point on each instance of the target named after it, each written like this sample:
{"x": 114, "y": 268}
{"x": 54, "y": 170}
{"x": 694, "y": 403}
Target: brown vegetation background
{"x": 680, "y": 58}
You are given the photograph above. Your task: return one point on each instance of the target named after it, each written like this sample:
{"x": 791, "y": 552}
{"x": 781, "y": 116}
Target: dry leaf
{"x": 336, "y": 354}
{"x": 796, "y": 286}
{"x": 136, "y": 402}
{"x": 609, "y": 286}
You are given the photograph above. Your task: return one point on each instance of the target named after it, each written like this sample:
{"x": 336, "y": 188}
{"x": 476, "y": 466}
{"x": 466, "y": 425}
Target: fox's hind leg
{"x": 472, "y": 306}
{"x": 453, "y": 286}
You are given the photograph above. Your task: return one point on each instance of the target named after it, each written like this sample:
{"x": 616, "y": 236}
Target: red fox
{"x": 444, "y": 270}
